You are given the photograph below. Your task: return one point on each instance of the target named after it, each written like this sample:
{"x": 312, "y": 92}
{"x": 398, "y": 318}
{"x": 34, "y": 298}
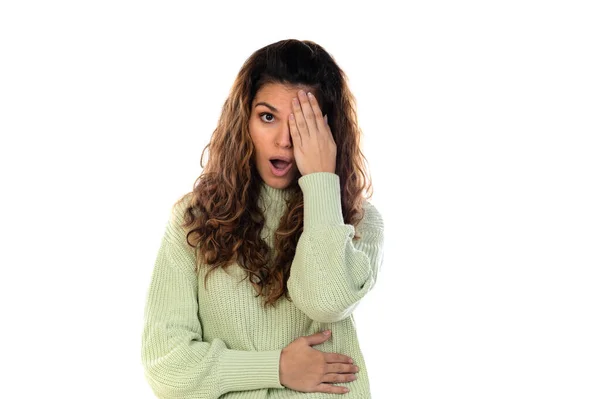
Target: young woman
{"x": 264, "y": 261}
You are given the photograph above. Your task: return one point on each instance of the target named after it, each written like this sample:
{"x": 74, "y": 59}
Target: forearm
{"x": 331, "y": 272}
{"x": 189, "y": 368}
{"x": 177, "y": 362}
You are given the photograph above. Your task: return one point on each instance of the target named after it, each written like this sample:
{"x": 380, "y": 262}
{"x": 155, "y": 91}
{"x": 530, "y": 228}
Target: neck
{"x": 276, "y": 194}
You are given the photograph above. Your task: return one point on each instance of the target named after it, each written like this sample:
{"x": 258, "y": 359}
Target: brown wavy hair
{"x": 222, "y": 218}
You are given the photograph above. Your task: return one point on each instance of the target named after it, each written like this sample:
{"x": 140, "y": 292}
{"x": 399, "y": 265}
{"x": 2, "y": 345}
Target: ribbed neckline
{"x": 275, "y": 195}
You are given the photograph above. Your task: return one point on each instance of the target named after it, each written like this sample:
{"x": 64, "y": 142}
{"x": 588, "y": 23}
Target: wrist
{"x": 322, "y": 199}
{"x": 281, "y": 364}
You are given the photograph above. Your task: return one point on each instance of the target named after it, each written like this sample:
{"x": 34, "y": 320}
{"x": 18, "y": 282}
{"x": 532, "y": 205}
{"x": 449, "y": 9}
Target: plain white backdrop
{"x": 481, "y": 127}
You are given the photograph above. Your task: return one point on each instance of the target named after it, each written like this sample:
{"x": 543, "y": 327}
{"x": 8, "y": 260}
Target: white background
{"x": 481, "y": 125}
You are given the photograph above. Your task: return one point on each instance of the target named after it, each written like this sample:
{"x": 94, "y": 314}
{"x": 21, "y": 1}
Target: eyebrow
{"x": 272, "y": 108}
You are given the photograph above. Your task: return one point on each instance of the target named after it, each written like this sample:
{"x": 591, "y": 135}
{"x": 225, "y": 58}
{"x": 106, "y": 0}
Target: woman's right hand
{"x": 305, "y": 369}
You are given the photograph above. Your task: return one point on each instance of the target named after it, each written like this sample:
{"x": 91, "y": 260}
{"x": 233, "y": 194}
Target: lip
{"x": 281, "y": 158}
{"x": 280, "y": 172}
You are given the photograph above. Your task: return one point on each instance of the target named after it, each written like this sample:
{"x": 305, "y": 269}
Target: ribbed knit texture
{"x": 220, "y": 342}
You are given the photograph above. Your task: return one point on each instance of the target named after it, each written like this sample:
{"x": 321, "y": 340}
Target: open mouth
{"x": 280, "y": 167}
{"x": 280, "y": 164}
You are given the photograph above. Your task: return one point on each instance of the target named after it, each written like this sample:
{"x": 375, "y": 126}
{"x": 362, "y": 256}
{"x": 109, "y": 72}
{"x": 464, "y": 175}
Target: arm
{"x": 177, "y": 363}
{"x": 330, "y": 272}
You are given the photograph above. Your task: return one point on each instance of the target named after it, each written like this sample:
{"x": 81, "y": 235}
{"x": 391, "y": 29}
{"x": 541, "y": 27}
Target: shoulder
{"x": 180, "y": 206}
{"x": 177, "y": 216}
{"x": 372, "y": 216}
{"x": 372, "y": 222}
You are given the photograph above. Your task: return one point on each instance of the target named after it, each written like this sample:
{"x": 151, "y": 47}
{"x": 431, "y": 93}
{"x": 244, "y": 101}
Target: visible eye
{"x": 270, "y": 117}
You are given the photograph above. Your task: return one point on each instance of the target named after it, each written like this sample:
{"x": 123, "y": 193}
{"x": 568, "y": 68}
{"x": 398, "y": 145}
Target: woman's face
{"x": 270, "y": 133}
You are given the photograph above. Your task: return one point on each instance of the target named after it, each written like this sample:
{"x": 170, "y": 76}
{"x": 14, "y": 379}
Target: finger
{"x": 321, "y": 123}
{"x": 331, "y": 388}
{"x": 340, "y": 368}
{"x": 307, "y": 111}
{"x": 300, "y": 122}
{"x": 296, "y": 138}
{"x": 336, "y": 378}
{"x": 337, "y": 358}
{"x": 328, "y": 128}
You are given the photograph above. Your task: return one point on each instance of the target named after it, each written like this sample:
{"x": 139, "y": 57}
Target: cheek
{"x": 257, "y": 146}
{"x": 253, "y": 135}
{"x": 257, "y": 136}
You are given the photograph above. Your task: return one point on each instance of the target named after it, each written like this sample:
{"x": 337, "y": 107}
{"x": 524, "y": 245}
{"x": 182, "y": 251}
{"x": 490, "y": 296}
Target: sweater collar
{"x": 275, "y": 195}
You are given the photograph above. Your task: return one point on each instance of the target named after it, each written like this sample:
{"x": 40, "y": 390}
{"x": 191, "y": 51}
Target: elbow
{"x": 160, "y": 388}
{"x": 324, "y": 308}
{"x": 321, "y": 315}
{"x": 169, "y": 379}
{"x": 156, "y": 376}
{"x": 329, "y": 303}
{"x": 179, "y": 366}
{"x": 166, "y": 384}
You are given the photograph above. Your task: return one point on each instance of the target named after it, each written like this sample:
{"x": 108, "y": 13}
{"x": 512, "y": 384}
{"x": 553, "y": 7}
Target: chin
{"x": 278, "y": 183}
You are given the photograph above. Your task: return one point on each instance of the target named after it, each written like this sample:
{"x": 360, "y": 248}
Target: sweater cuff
{"x": 322, "y": 199}
{"x": 247, "y": 370}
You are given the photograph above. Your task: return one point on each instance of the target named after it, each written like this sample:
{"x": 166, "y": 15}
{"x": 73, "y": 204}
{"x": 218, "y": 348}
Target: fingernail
{"x": 325, "y": 117}
{"x": 326, "y": 332}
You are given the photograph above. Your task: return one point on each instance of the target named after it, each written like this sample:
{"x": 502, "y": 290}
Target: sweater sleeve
{"x": 330, "y": 272}
{"x": 177, "y": 362}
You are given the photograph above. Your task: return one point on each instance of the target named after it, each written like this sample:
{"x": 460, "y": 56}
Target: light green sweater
{"x": 220, "y": 342}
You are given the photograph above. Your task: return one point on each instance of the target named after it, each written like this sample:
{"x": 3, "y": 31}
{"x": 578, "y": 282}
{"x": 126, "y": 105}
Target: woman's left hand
{"x": 314, "y": 147}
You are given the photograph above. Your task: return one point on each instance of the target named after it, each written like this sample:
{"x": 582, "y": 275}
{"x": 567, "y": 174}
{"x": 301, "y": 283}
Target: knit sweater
{"x": 220, "y": 342}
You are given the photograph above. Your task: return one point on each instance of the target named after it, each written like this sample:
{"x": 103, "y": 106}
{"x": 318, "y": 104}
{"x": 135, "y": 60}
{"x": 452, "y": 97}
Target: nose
{"x": 283, "y": 138}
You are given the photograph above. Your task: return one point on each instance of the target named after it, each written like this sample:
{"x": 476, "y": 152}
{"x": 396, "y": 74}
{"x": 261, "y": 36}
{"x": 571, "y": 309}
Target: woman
{"x": 262, "y": 264}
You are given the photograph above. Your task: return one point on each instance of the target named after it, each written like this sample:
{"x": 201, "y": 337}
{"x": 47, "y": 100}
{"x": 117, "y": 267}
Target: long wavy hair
{"x": 222, "y": 218}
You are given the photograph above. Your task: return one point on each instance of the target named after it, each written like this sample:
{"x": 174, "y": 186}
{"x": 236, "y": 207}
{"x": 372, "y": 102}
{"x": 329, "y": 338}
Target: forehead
{"x": 278, "y": 91}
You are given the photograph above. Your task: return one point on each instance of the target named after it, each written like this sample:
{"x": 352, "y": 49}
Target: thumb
{"x": 318, "y": 338}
